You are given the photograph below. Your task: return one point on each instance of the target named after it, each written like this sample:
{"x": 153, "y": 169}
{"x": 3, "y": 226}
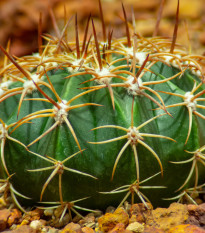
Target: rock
{"x": 38, "y": 224}
{"x": 54, "y": 221}
{"x": 110, "y": 220}
{"x": 72, "y": 228}
{"x": 196, "y": 215}
{"x": 88, "y": 221}
{"x": 120, "y": 228}
{"x": 149, "y": 229}
{"x": 9, "y": 217}
{"x": 32, "y": 215}
{"x": 87, "y": 230}
{"x": 139, "y": 212}
{"x": 164, "y": 219}
{"x": 186, "y": 229}
{"x": 15, "y": 216}
{"x": 22, "y": 229}
{"x": 110, "y": 209}
{"x": 98, "y": 213}
{"x": 4, "y": 215}
{"x": 48, "y": 229}
{"x": 135, "y": 227}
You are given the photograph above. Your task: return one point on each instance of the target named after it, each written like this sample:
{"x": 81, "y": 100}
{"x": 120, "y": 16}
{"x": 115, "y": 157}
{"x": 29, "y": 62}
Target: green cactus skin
{"x": 99, "y": 126}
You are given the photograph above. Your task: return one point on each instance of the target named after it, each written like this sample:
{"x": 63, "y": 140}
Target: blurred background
{"x": 19, "y": 20}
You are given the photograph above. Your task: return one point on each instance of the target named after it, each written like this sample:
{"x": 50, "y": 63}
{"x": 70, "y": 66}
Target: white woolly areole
{"x": 77, "y": 63}
{"x": 172, "y": 60}
{"x": 133, "y": 135}
{"x": 59, "y": 113}
{"x": 189, "y": 103}
{"x": 103, "y": 43}
{"x": 29, "y": 85}
{"x": 102, "y": 73}
{"x": 197, "y": 72}
{"x": 189, "y": 63}
{"x": 1, "y": 92}
{"x": 193, "y": 68}
{"x": 4, "y": 86}
{"x": 39, "y": 56}
{"x": 141, "y": 56}
{"x": 134, "y": 88}
{"x": 3, "y": 131}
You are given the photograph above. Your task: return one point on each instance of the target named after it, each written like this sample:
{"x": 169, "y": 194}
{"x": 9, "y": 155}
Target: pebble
{"x": 37, "y": 224}
{"x": 88, "y": 221}
{"x": 72, "y": 228}
{"x": 186, "y": 229}
{"x": 4, "y": 214}
{"x": 22, "y": 229}
{"x": 196, "y": 215}
{"x": 139, "y": 212}
{"x": 87, "y": 230}
{"x": 165, "y": 218}
{"x": 108, "y": 221}
{"x": 9, "y": 217}
{"x": 119, "y": 228}
{"x": 135, "y": 227}
{"x": 149, "y": 229}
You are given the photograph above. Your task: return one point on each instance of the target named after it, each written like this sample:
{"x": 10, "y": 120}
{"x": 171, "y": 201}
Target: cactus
{"x": 102, "y": 122}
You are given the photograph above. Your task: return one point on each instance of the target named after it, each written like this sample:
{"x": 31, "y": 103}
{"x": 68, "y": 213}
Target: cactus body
{"x": 95, "y": 123}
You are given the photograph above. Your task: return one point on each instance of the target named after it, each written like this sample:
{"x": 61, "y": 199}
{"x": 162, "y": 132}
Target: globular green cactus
{"x": 100, "y": 122}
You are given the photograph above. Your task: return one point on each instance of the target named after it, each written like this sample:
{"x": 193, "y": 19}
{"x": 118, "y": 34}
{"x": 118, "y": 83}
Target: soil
{"x": 177, "y": 218}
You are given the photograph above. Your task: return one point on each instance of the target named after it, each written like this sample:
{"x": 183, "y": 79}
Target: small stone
{"x": 33, "y": 215}
{"x": 4, "y": 215}
{"x": 88, "y": 221}
{"x": 8, "y": 218}
{"x": 48, "y": 229}
{"x": 87, "y": 230}
{"x": 72, "y": 228}
{"x": 139, "y": 212}
{"x": 76, "y": 218}
{"x": 119, "y": 228}
{"x": 98, "y": 213}
{"x": 110, "y": 220}
{"x": 48, "y": 212}
{"x": 55, "y": 221}
{"x": 38, "y": 224}
{"x": 135, "y": 227}
{"x": 164, "y": 219}
{"x": 186, "y": 229}
{"x": 22, "y": 229}
{"x": 15, "y": 216}
{"x": 196, "y": 215}
{"x": 149, "y": 229}
{"x": 110, "y": 209}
